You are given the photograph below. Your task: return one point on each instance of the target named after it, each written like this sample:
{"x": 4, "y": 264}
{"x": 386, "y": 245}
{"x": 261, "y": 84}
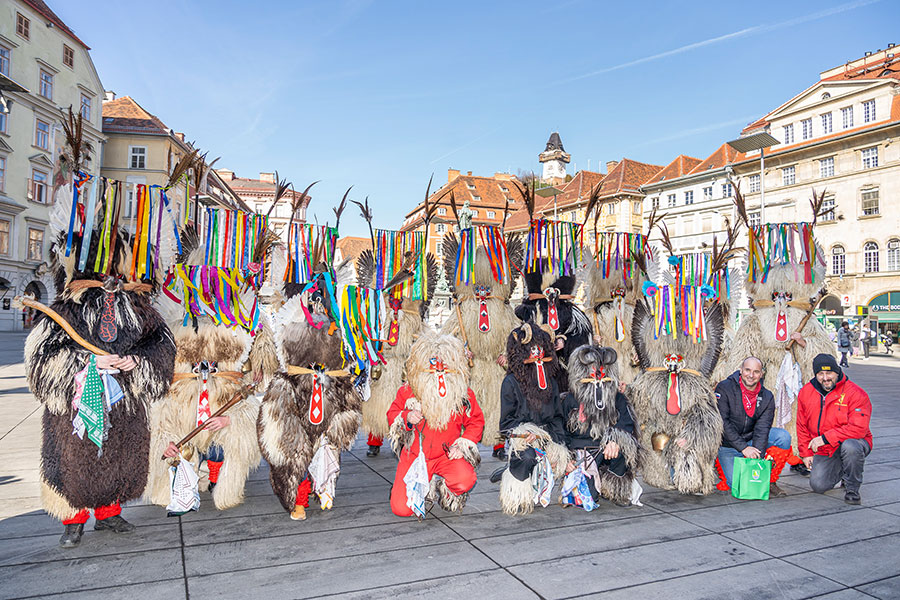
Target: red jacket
{"x": 468, "y": 426}
{"x": 841, "y": 414}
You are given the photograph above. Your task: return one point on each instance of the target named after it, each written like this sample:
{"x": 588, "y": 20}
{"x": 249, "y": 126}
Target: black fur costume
{"x": 597, "y": 413}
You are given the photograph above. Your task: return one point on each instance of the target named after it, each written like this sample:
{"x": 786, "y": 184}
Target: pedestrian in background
{"x": 865, "y": 339}
{"x": 845, "y": 345}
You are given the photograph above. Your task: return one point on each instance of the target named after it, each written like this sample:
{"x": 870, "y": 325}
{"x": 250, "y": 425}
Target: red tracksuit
{"x": 458, "y": 474}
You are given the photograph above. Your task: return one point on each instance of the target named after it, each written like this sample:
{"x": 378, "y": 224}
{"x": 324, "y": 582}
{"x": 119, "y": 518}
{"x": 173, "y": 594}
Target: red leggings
{"x": 100, "y": 513}
{"x": 374, "y": 440}
{"x": 458, "y": 474}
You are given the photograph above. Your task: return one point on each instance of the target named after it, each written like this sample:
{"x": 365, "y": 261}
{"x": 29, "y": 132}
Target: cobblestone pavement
{"x": 801, "y": 546}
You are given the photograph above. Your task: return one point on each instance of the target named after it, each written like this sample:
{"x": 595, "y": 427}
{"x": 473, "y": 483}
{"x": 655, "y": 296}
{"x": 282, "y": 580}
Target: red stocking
{"x": 303, "y": 493}
{"x": 780, "y": 456}
{"x": 374, "y": 440}
{"x": 214, "y": 466}
{"x": 723, "y": 483}
{"x": 105, "y": 512}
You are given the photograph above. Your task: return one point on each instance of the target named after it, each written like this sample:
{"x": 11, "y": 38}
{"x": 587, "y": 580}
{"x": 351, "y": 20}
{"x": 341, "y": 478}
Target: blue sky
{"x": 380, "y": 95}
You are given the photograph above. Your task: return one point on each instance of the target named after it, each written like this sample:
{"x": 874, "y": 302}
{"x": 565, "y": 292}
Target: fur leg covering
{"x": 516, "y": 497}
{"x": 628, "y": 446}
{"x": 470, "y": 451}
{"x": 447, "y": 500}
{"x": 614, "y": 488}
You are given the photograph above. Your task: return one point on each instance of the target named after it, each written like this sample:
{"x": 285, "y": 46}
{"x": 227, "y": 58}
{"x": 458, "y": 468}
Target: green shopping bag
{"x": 750, "y": 480}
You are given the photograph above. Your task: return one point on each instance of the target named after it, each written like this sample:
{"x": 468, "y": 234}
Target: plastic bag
{"x": 185, "y": 486}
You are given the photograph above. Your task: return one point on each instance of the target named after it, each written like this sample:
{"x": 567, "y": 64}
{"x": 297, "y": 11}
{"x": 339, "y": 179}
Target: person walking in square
{"x": 833, "y": 429}
{"x": 845, "y": 346}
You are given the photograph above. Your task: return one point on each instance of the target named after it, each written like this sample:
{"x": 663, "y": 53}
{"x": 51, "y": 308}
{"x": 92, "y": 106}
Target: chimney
{"x": 610, "y": 165}
{"x": 226, "y": 174}
{"x": 452, "y": 174}
{"x": 267, "y": 177}
{"x": 109, "y": 96}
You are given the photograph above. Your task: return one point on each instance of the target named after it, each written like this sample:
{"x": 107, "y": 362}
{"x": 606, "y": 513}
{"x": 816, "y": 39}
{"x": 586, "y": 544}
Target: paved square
{"x": 802, "y": 546}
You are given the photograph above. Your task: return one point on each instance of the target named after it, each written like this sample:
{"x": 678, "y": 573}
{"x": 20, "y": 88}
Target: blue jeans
{"x": 777, "y": 437}
{"x": 215, "y": 453}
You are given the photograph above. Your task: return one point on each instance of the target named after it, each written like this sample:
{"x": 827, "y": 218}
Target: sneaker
{"x": 500, "y": 454}
{"x": 115, "y": 523}
{"x": 299, "y": 513}
{"x": 72, "y": 536}
{"x": 801, "y": 469}
{"x": 775, "y": 491}
{"x": 851, "y": 497}
{"x": 373, "y": 451}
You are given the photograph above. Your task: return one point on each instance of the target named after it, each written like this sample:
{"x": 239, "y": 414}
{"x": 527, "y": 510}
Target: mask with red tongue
{"x": 394, "y": 331}
{"x": 552, "y": 295}
{"x": 482, "y": 293}
{"x": 532, "y": 361}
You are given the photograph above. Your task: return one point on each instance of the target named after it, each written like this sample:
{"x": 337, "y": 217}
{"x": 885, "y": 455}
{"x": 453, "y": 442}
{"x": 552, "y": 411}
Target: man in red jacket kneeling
{"x": 833, "y": 433}
{"x": 435, "y": 424}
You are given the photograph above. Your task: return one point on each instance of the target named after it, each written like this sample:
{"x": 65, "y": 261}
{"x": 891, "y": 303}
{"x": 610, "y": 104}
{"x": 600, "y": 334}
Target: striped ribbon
{"x": 774, "y": 244}
{"x": 553, "y": 245}
{"x": 491, "y": 238}
{"x": 302, "y": 239}
{"x": 390, "y": 248}
{"x": 616, "y": 251}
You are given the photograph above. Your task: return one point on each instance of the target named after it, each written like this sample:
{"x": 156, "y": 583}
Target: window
{"x": 85, "y": 107}
{"x": 870, "y": 157}
{"x": 138, "y": 157}
{"x": 471, "y": 186}
{"x": 41, "y": 134}
{"x": 439, "y": 248}
{"x": 5, "y": 226}
{"x": 475, "y": 212}
{"x": 39, "y": 186}
{"x": 442, "y": 211}
{"x": 868, "y": 111}
{"x": 806, "y": 128}
{"x": 707, "y": 193}
{"x": 870, "y": 253}
{"x": 755, "y": 219}
{"x": 491, "y": 214}
{"x": 789, "y": 175}
{"x": 572, "y": 216}
{"x": 46, "y": 85}
{"x": 727, "y": 190}
{"x": 847, "y": 117}
{"x": 3, "y": 122}
{"x": 707, "y": 224}
{"x": 869, "y": 202}
{"x": 35, "y": 244}
{"x": 838, "y": 261}
{"x": 476, "y": 199}
{"x": 893, "y": 254}
{"x": 23, "y": 25}
{"x": 636, "y": 207}
{"x": 826, "y": 167}
{"x": 826, "y": 123}
{"x": 612, "y": 208}
{"x": 827, "y": 213}
{"x": 789, "y": 134}
{"x": 504, "y": 189}
{"x": 2, "y": 173}
{"x": 68, "y": 56}
{"x": 440, "y": 228}
{"x": 754, "y": 183}
{"x": 654, "y": 203}
{"x": 4, "y": 60}
{"x": 671, "y": 200}
{"x": 689, "y": 197}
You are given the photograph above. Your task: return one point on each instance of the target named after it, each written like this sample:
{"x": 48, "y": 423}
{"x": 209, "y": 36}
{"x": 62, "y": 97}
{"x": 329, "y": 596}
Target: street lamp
{"x": 546, "y": 193}
{"x": 757, "y": 141}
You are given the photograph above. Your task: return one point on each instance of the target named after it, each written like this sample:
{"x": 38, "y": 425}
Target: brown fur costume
{"x": 411, "y": 322}
{"x": 436, "y": 410}
{"x": 486, "y": 347}
{"x": 597, "y": 415}
{"x": 287, "y": 439}
{"x": 698, "y": 421}
{"x": 73, "y": 476}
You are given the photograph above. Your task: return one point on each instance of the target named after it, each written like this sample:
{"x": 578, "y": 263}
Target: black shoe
{"x": 373, "y": 451}
{"x": 775, "y": 491}
{"x": 801, "y": 469}
{"x": 115, "y": 523}
{"x": 72, "y": 536}
{"x": 500, "y": 453}
{"x": 212, "y": 485}
{"x": 852, "y": 498}
{"x": 497, "y": 475}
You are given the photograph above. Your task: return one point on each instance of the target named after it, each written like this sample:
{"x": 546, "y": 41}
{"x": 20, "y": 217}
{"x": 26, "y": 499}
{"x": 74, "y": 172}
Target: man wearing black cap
{"x": 833, "y": 416}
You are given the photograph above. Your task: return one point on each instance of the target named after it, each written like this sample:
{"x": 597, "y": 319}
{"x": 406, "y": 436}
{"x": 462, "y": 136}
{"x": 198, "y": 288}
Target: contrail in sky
{"x": 695, "y": 130}
{"x": 466, "y": 145}
{"x": 756, "y": 29}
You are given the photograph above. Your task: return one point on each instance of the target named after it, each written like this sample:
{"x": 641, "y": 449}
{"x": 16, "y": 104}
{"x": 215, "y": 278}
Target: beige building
{"x": 142, "y": 150}
{"x": 259, "y": 195}
{"x": 840, "y": 136}
{"x": 43, "y": 56}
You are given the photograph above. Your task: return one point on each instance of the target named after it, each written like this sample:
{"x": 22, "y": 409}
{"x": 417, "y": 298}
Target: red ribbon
{"x": 316, "y": 405}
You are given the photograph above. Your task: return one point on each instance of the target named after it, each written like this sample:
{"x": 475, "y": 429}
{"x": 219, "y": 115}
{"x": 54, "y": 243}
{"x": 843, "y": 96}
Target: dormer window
{"x": 471, "y": 186}
{"x": 504, "y": 189}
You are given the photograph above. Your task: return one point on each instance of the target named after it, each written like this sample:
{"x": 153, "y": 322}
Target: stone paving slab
{"x": 836, "y": 560}
{"x": 886, "y": 589}
{"x": 486, "y": 584}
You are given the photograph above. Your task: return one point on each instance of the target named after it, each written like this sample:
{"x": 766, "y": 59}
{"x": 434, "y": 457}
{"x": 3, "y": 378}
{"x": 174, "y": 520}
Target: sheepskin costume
{"x": 438, "y": 387}
{"x": 230, "y": 357}
{"x": 694, "y": 417}
{"x": 597, "y": 414}
{"x": 115, "y": 314}
{"x": 549, "y": 302}
{"x": 530, "y": 404}
{"x": 483, "y": 319}
{"x": 610, "y": 304}
{"x": 406, "y": 318}
{"x": 309, "y": 353}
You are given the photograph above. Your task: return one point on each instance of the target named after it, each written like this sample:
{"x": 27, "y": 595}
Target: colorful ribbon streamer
{"x": 775, "y": 244}
{"x": 553, "y": 245}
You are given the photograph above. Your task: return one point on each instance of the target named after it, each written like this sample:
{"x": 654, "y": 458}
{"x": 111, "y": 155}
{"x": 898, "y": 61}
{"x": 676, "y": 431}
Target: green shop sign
{"x": 887, "y": 302}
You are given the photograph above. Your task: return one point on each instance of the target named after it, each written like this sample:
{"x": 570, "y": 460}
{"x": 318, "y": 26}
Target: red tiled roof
{"x": 881, "y": 67}
{"x": 627, "y": 177}
{"x": 125, "y": 115}
{"x": 41, "y": 7}
{"x": 682, "y": 165}
{"x": 352, "y": 247}
{"x": 489, "y": 194}
{"x": 724, "y": 155}
{"x": 573, "y": 193}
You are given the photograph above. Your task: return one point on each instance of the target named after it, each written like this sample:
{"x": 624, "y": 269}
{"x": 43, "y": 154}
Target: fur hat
{"x": 438, "y": 376}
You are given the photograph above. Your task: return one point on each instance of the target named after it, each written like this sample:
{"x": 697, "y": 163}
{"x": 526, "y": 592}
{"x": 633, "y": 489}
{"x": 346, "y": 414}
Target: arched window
{"x": 838, "y": 260}
{"x": 870, "y": 253}
{"x": 893, "y": 254}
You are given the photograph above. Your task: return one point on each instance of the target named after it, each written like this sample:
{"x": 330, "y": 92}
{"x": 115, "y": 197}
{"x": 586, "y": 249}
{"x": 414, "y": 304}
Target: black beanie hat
{"x": 826, "y": 362}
